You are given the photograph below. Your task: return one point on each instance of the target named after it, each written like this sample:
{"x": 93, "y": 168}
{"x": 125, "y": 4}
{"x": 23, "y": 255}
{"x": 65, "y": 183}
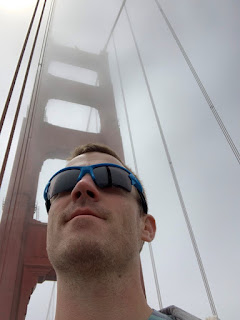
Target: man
{"x": 98, "y": 222}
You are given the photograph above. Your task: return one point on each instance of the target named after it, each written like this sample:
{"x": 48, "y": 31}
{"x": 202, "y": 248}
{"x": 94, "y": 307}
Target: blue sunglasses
{"x": 104, "y": 175}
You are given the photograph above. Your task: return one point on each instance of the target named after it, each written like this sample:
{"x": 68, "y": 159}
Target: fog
{"x": 206, "y": 169}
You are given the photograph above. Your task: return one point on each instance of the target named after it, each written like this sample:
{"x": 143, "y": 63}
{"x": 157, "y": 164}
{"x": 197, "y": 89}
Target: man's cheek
{"x": 50, "y": 232}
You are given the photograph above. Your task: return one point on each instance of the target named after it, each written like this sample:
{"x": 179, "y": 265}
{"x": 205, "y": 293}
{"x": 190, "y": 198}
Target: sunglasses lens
{"x": 108, "y": 176}
{"x": 64, "y": 181}
{"x": 102, "y": 177}
{"x": 120, "y": 178}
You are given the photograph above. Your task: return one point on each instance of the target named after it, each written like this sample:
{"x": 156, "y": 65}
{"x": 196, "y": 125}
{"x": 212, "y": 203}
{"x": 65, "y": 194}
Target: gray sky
{"x": 207, "y": 171}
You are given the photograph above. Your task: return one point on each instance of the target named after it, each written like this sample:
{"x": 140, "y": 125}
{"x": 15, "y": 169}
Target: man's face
{"x": 93, "y": 228}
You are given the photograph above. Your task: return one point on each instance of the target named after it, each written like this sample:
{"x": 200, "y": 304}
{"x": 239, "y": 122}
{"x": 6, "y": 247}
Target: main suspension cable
{"x": 136, "y": 170}
{"x": 202, "y": 88}
{"x": 17, "y": 68}
{"x": 187, "y": 220}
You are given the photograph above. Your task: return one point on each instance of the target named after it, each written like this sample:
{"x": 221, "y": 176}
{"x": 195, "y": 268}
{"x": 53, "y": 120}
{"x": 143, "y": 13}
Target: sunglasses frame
{"x": 89, "y": 169}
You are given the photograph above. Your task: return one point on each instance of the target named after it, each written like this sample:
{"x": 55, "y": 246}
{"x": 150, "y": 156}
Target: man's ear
{"x": 148, "y": 228}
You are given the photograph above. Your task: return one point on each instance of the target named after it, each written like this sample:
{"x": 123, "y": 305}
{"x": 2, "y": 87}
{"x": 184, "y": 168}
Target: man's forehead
{"x": 90, "y": 158}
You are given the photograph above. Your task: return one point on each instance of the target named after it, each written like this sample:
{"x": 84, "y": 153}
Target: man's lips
{"x": 84, "y": 212}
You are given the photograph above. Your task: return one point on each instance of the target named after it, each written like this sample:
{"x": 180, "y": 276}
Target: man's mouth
{"x": 84, "y": 212}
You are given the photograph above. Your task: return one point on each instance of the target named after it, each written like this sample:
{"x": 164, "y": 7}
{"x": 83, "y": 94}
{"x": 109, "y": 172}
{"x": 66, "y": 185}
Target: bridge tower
{"x": 23, "y": 257}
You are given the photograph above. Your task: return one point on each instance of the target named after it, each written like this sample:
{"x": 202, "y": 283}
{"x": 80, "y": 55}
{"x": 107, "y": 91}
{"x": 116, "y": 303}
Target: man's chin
{"x": 86, "y": 258}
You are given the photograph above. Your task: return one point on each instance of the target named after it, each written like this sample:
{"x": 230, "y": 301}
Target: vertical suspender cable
{"x": 131, "y": 141}
{"x": 114, "y": 25}
{"x": 202, "y": 88}
{"x": 51, "y": 301}
{"x": 136, "y": 170}
{"x": 29, "y": 122}
{"x": 20, "y": 99}
{"x": 50, "y": 13}
{"x": 155, "y": 275}
{"x": 125, "y": 106}
{"x": 89, "y": 118}
{"x": 96, "y": 118}
{"x": 190, "y": 230}
{"x": 17, "y": 68}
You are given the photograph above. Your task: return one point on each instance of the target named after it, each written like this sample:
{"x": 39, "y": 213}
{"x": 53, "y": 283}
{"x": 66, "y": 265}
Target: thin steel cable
{"x": 125, "y": 106}
{"x": 51, "y": 300}
{"x": 89, "y": 118}
{"x": 17, "y": 68}
{"x": 113, "y": 28}
{"x": 96, "y": 121}
{"x": 50, "y": 14}
{"x": 190, "y": 230}
{"x": 202, "y": 88}
{"x": 155, "y": 275}
{"x": 114, "y": 25}
{"x": 20, "y": 99}
{"x": 24, "y": 141}
{"x": 136, "y": 170}
{"x": 26, "y": 74}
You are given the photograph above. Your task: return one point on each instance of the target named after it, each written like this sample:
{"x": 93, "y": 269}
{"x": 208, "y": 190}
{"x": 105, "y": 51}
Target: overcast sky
{"x": 207, "y": 171}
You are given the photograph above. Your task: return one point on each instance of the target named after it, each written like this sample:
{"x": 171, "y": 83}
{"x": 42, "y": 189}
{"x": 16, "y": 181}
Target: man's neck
{"x": 116, "y": 297}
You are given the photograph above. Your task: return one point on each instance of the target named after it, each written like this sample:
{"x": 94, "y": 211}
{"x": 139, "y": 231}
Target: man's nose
{"x": 85, "y": 188}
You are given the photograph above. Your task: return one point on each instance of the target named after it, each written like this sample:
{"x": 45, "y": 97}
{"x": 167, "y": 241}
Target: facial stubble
{"x": 87, "y": 258}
